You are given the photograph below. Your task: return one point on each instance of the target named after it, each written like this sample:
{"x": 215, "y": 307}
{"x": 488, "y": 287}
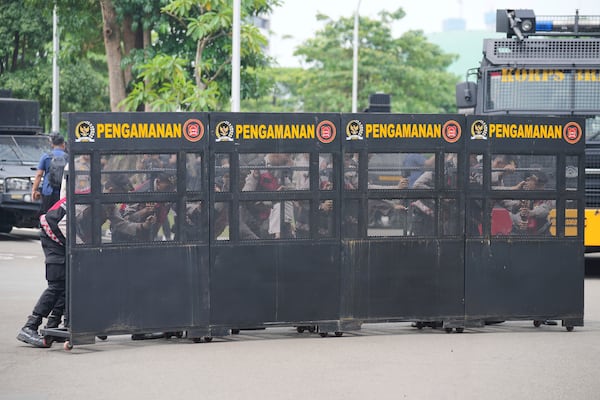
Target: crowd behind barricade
{"x": 408, "y": 216}
{"x": 287, "y": 219}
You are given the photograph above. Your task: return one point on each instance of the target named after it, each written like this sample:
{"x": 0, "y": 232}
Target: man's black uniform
{"x": 52, "y": 237}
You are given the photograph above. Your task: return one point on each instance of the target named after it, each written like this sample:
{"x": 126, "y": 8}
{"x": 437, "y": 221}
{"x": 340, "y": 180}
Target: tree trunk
{"x": 15, "y": 55}
{"x": 128, "y": 45}
{"x": 112, "y": 43}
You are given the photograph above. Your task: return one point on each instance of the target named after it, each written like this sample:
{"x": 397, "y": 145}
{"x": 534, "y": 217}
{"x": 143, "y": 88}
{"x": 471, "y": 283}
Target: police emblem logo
{"x": 326, "y": 132}
{"x": 224, "y": 131}
{"x": 354, "y": 130}
{"x": 572, "y": 132}
{"x": 451, "y": 131}
{"x": 85, "y": 132}
{"x": 193, "y": 130}
{"x": 479, "y": 130}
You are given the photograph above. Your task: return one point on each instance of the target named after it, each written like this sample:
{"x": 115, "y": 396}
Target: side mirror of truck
{"x": 466, "y": 95}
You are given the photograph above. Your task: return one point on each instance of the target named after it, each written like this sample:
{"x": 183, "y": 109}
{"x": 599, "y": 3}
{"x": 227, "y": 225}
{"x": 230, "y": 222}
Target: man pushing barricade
{"x": 53, "y": 234}
{"x": 53, "y": 239}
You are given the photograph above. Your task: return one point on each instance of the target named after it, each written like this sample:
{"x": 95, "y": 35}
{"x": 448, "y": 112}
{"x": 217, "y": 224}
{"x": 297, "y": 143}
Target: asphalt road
{"x": 512, "y": 360}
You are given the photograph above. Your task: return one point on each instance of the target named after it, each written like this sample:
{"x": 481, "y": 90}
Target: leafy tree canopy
{"x": 409, "y": 68}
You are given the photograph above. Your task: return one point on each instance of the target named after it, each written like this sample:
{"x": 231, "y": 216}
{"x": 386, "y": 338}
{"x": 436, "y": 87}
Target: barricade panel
{"x": 139, "y": 255}
{"x": 280, "y": 262}
{"x": 524, "y": 243}
{"x": 402, "y": 222}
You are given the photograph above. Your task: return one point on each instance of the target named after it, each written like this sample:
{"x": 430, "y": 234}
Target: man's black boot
{"x": 29, "y": 333}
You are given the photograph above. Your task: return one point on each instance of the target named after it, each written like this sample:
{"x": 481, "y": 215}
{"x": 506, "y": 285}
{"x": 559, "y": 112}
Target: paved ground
{"x": 385, "y": 361}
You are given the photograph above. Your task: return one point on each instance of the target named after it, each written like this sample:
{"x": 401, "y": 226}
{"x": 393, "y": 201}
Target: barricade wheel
{"x": 338, "y": 334}
{"x": 323, "y": 334}
{"x": 235, "y": 331}
{"x": 197, "y": 339}
{"x": 300, "y": 329}
{"x": 448, "y": 330}
{"x": 570, "y": 328}
{"x": 312, "y": 328}
{"x": 460, "y": 330}
{"x": 102, "y": 337}
{"x": 537, "y": 323}
{"x": 68, "y": 346}
{"x": 208, "y": 339}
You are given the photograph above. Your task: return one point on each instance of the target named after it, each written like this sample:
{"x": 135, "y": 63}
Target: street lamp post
{"x": 235, "y": 57}
{"x": 355, "y": 61}
{"x": 55, "y": 74}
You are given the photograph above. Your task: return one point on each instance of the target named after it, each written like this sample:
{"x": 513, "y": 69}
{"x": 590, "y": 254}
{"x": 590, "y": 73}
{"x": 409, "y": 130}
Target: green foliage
{"x": 176, "y": 92}
{"x": 197, "y": 40}
{"x": 81, "y": 61}
{"x": 409, "y": 68}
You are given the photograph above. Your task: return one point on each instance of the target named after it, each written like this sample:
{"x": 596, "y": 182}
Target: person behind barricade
{"x": 301, "y": 181}
{"x": 119, "y": 227}
{"x": 53, "y": 240}
{"x": 50, "y": 168}
{"x": 502, "y": 167}
{"x": 278, "y": 179}
{"x": 385, "y": 210}
{"x": 423, "y": 214}
{"x": 139, "y": 212}
{"x": 256, "y": 218}
{"x": 415, "y": 165}
{"x": 530, "y": 217}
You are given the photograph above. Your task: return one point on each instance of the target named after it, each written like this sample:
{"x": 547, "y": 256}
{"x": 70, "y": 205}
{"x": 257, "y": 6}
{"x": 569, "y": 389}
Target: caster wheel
{"x": 47, "y": 342}
{"x": 570, "y": 328}
{"x": 179, "y": 334}
{"x": 300, "y": 329}
{"x": 235, "y": 331}
{"x": 323, "y": 334}
{"x": 448, "y": 330}
{"x": 197, "y": 340}
{"x": 208, "y": 339}
{"x": 312, "y": 328}
{"x": 102, "y": 337}
{"x": 67, "y": 346}
{"x": 460, "y": 330}
{"x": 537, "y": 323}
{"x": 339, "y": 334}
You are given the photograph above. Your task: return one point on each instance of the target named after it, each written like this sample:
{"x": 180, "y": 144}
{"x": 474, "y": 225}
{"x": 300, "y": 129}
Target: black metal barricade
{"x": 210, "y": 223}
{"x": 402, "y": 218}
{"x": 138, "y": 237}
{"x": 275, "y": 249}
{"x": 525, "y": 217}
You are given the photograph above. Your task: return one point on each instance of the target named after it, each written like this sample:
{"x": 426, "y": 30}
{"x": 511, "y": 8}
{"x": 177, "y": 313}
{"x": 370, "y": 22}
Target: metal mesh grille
{"x": 533, "y": 51}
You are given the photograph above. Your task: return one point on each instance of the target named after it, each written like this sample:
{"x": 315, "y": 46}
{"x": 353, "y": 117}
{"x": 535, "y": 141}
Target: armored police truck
{"x": 21, "y": 146}
{"x": 546, "y": 65}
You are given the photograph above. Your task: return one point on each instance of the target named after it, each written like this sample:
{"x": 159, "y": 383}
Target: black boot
{"x": 29, "y": 333}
